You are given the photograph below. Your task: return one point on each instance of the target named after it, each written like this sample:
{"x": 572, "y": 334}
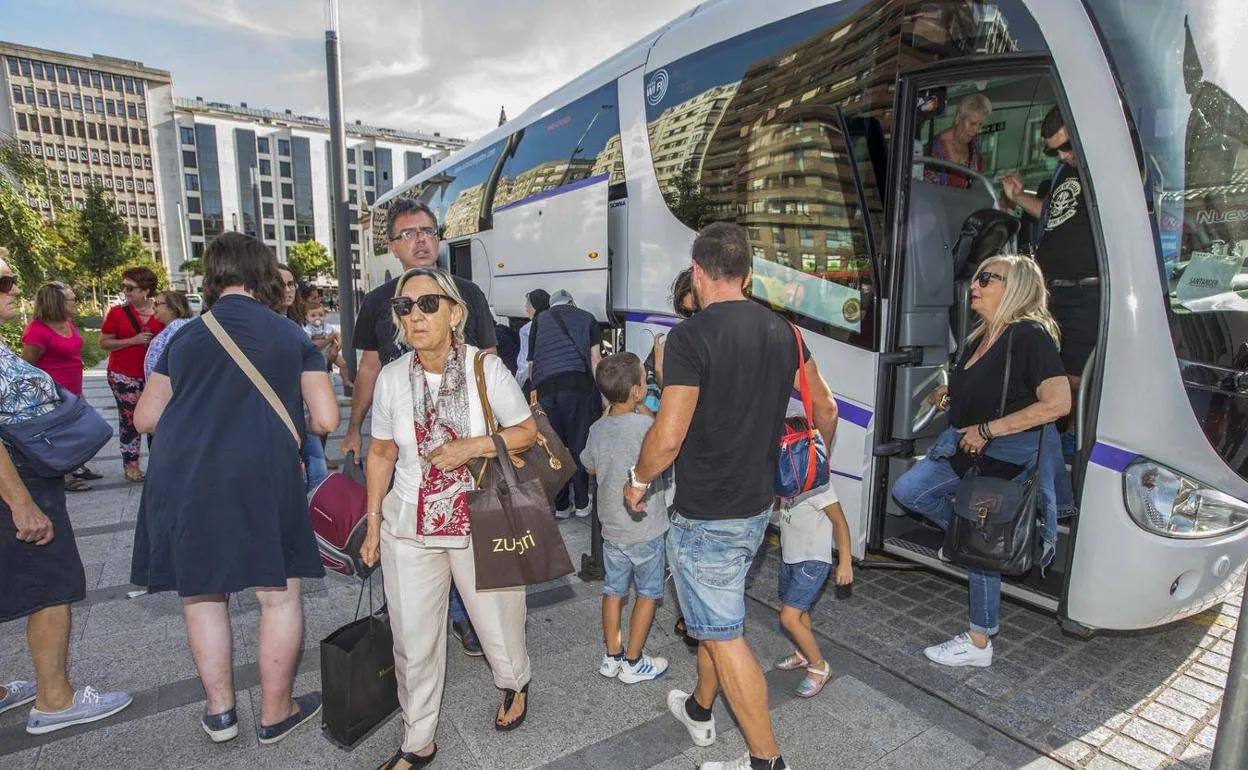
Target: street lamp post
{"x": 1230, "y": 748}
{"x": 342, "y": 214}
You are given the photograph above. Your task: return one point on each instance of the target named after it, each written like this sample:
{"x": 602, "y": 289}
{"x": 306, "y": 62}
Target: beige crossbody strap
{"x": 252, "y": 373}
{"x": 483, "y": 393}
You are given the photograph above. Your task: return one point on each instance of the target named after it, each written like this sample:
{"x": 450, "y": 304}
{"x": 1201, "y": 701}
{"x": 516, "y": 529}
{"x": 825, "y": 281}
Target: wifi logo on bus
{"x": 656, "y": 89}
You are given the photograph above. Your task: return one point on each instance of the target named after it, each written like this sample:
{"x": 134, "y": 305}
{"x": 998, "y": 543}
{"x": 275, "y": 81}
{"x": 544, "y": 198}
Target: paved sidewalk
{"x": 1138, "y": 700}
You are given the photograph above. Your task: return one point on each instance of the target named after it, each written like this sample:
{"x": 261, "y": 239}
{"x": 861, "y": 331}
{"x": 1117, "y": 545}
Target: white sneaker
{"x": 960, "y": 651}
{"x": 740, "y": 763}
{"x": 563, "y": 513}
{"x": 610, "y": 666}
{"x": 702, "y": 733}
{"x": 647, "y": 668}
{"x": 582, "y": 513}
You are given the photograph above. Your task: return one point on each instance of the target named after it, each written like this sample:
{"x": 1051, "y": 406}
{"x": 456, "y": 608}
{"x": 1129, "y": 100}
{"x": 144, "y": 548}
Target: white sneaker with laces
{"x": 647, "y": 668}
{"x": 582, "y": 513}
{"x": 740, "y": 763}
{"x": 610, "y": 666}
{"x": 702, "y": 733}
{"x": 564, "y": 513}
{"x": 960, "y": 651}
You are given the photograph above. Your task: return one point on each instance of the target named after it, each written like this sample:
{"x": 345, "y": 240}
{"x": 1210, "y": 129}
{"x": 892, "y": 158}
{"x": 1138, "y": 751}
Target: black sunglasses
{"x": 7, "y": 282}
{"x": 427, "y": 303}
{"x": 984, "y": 278}
{"x": 1053, "y": 152}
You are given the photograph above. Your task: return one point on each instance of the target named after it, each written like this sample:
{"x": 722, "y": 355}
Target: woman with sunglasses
{"x": 125, "y": 334}
{"x": 428, "y": 422}
{"x": 52, "y": 343}
{"x": 1009, "y": 296}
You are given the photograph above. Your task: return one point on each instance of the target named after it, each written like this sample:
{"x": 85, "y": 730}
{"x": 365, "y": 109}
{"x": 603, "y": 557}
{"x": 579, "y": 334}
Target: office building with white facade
{"x": 267, "y": 173}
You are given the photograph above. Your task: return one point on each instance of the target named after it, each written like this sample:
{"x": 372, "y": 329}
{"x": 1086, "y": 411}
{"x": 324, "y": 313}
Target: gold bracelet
{"x": 378, "y": 515}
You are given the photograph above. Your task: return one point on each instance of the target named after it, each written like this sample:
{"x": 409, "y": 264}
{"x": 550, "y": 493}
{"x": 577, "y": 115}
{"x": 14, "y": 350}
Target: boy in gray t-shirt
{"x": 633, "y": 543}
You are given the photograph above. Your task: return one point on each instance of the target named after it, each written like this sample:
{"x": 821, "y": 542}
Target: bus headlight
{"x": 1164, "y": 501}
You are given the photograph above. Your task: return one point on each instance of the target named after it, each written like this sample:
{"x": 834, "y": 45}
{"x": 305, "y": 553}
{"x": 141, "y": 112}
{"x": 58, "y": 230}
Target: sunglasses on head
{"x": 7, "y": 282}
{"x": 984, "y": 278}
{"x": 1053, "y": 152}
{"x": 426, "y": 303}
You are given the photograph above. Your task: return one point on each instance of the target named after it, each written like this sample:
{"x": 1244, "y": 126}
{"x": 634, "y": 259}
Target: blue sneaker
{"x": 17, "y": 693}
{"x": 90, "y": 705}
{"x": 309, "y": 706}
{"x": 221, "y": 727}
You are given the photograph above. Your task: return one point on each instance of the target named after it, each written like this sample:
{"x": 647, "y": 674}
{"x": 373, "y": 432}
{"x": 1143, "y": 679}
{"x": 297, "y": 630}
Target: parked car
{"x": 196, "y": 301}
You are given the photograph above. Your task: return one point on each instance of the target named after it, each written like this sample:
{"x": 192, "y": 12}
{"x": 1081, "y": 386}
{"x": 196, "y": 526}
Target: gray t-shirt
{"x": 613, "y": 446}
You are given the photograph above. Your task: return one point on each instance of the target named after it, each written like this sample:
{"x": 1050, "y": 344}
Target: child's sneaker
{"x": 610, "y": 665}
{"x": 645, "y": 669}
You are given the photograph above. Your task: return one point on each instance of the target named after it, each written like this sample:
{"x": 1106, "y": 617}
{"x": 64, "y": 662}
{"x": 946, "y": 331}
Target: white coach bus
{"x": 804, "y": 122}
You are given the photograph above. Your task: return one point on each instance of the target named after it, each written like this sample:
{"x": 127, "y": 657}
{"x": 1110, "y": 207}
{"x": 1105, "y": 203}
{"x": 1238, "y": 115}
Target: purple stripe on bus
{"x": 552, "y": 193}
{"x": 1112, "y": 457}
{"x": 652, "y": 318}
{"x": 835, "y": 472}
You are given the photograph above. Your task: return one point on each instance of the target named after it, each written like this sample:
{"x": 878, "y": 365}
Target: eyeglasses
{"x": 160, "y": 303}
{"x": 408, "y": 233}
{"x": 7, "y": 282}
{"x": 984, "y": 278}
{"x": 289, "y": 284}
{"x": 129, "y": 286}
{"x": 427, "y": 303}
{"x": 1053, "y": 152}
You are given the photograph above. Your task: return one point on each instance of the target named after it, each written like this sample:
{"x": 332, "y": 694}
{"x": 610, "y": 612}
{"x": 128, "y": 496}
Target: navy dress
{"x": 223, "y": 507}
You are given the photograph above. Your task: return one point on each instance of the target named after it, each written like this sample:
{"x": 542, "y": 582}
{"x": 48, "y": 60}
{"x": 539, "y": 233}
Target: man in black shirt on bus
{"x": 1066, "y": 251}
{"x": 728, "y": 374}
{"x": 412, "y": 233}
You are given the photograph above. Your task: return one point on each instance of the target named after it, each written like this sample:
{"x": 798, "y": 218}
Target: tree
{"x": 32, "y": 244}
{"x": 309, "y": 259}
{"x": 103, "y": 238}
{"x": 193, "y": 266}
{"x": 687, "y": 201}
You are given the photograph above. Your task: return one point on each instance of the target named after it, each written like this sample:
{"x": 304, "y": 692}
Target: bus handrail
{"x": 958, "y": 168}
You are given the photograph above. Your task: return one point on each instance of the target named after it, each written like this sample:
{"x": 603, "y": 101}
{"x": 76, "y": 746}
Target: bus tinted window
{"x": 579, "y": 142}
{"x": 780, "y": 127}
{"x": 1186, "y": 88}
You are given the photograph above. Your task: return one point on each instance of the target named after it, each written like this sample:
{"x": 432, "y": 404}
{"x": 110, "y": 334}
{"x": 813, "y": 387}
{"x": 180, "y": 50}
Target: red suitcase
{"x": 336, "y": 509}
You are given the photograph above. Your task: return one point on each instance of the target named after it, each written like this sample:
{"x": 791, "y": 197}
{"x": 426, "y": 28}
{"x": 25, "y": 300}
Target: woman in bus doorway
{"x": 960, "y": 143}
{"x": 1003, "y": 436}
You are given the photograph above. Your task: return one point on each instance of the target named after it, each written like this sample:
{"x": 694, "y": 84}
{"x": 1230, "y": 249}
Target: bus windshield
{"x": 1181, "y": 66}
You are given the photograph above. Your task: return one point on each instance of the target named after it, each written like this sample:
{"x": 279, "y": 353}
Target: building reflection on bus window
{"x": 579, "y": 142}
{"x": 748, "y": 130}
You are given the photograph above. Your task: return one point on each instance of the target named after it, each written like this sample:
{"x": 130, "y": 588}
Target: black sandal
{"x": 509, "y": 698}
{"x": 413, "y": 760}
{"x": 683, "y": 630}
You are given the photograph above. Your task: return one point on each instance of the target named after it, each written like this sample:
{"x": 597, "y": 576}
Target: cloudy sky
{"x": 410, "y": 64}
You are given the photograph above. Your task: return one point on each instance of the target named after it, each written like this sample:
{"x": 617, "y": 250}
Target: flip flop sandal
{"x": 509, "y": 697}
{"x": 76, "y": 485}
{"x": 683, "y": 630}
{"x": 809, "y": 687}
{"x": 792, "y": 662}
{"x": 86, "y": 474}
{"x": 135, "y": 475}
{"x": 413, "y": 760}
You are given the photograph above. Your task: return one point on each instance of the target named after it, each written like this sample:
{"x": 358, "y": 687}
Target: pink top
{"x": 62, "y": 356}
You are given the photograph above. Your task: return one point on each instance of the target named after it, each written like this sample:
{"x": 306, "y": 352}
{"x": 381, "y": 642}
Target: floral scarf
{"x": 443, "y": 510}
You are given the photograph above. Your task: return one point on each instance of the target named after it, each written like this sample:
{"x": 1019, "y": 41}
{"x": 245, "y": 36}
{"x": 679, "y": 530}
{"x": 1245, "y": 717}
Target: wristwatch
{"x": 642, "y": 486}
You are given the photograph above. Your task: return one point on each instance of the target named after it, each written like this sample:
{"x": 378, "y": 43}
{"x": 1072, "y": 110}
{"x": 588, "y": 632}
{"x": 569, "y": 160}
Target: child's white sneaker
{"x": 646, "y": 668}
{"x": 960, "y": 651}
{"x": 611, "y": 665}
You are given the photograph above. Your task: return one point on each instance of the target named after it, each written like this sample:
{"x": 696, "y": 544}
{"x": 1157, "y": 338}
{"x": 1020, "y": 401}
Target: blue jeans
{"x": 638, "y": 563}
{"x": 314, "y": 467}
{"x": 927, "y": 489}
{"x": 709, "y": 559}
{"x": 801, "y": 582}
{"x": 455, "y": 607}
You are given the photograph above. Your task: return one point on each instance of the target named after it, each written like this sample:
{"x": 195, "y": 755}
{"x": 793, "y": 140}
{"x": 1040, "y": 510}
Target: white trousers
{"x": 418, "y": 583}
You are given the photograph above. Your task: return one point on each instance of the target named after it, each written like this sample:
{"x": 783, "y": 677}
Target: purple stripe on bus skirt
{"x": 1112, "y": 457}
{"x": 552, "y": 193}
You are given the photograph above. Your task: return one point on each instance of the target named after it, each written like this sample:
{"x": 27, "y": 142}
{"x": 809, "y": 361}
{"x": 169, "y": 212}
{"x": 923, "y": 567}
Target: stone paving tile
{"x": 934, "y": 749}
{"x": 1133, "y": 753}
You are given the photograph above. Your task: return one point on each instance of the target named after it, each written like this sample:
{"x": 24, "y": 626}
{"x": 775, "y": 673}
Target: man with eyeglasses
{"x": 1065, "y": 252}
{"x": 412, "y": 232}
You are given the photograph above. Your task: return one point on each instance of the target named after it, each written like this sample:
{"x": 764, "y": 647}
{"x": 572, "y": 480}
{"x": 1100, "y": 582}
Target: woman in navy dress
{"x": 223, "y": 509}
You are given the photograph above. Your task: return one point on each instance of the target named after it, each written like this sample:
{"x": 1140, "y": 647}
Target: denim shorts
{"x": 639, "y": 563}
{"x": 709, "y": 560}
{"x": 801, "y": 583}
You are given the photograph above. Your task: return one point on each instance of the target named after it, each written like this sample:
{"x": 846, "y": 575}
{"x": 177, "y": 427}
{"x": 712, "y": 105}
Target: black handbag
{"x": 358, "y": 684}
{"x": 993, "y": 527}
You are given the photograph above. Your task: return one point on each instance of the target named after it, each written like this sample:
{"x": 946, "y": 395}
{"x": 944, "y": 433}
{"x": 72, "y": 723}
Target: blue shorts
{"x": 709, "y": 560}
{"x": 801, "y": 583}
{"x": 639, "y": 563}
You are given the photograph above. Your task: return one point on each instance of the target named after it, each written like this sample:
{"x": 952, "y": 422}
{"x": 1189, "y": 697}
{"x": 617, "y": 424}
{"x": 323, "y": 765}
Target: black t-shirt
{"x": 1066, "y": 249}
{"x": 975, "y": 393}
{"x": 743, "y": 358}
{"x": 374, "y": 329}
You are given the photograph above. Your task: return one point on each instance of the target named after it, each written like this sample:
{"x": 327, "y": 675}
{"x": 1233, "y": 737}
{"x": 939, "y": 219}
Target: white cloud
{"x": 407, "y": 64}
